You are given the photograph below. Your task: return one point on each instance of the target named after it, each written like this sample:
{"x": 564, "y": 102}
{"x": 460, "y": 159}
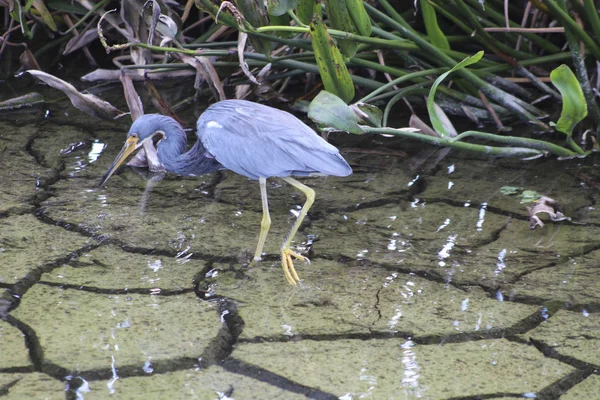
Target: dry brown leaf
{"x": 133, "y": 100}
{"x": 207, "y": 71}
{"x": 548, "y": 206}
{"x": 87, "y": 103}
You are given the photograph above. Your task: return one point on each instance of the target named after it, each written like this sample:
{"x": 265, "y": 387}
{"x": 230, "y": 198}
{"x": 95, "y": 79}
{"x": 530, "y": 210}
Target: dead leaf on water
{"x": 545, "y": 205}
{"x": 87, "y": 103}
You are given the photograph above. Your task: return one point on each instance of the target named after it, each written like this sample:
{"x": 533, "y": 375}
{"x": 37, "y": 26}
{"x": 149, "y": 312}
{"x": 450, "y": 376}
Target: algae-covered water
{"x": 425, "y": 281}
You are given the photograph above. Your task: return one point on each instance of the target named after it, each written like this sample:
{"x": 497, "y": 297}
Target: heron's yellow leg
{"x": 286, "y": 252}
{"x": 265, "y": 224}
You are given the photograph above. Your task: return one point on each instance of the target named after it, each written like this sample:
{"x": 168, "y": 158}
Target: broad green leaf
{"x": 362, "y": 21}
{"x": 434, "y": 33}
{"x": 306, "y": 9}
{"x": 280, "y": 7}
{"x": 574, "y": 108}
{"x": 334, "y": 74}
{"x": 339, "y": 18}
{"x": 330, "y": 112}
{"x": 436, "y": 122}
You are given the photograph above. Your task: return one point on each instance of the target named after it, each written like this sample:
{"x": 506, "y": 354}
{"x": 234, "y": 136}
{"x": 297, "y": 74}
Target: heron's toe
{"x": 288, "y": 265}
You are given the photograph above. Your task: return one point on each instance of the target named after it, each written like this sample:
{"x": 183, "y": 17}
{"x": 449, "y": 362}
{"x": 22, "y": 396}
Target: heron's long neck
{"x": 172, "y": 155}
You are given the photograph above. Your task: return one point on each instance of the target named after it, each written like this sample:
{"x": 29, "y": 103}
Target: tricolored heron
{"x": 250, "y": 139}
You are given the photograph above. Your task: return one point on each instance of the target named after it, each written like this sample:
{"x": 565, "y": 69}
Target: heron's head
{"x": 144, "y": 132}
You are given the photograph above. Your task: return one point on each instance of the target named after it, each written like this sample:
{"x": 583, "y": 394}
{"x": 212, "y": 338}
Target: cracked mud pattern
{"x": 424, "y": 282}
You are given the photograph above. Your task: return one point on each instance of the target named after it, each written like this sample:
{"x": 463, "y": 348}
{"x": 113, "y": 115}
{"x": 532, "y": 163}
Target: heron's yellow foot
{"x": 288, "y": 265}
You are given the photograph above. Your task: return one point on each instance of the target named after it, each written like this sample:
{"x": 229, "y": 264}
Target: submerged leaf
{"x": 574, "y": 108}
{"x": 548, "y": 206}
{"x": 330, "y": 113}
{"x": 87, "y": 103}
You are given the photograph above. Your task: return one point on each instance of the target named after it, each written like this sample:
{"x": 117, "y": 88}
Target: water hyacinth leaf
{"x": 574, "y": 108}
{"x": 434, "y": 33}
{"x": 334, "y": 74}
{"x": 280, "y": 7}
{"x": 362, "y": 21}
{"x": 331, "y": 113}
{"x": 436, "y": 122}
{"x": 339, "y": 18}
{"x": 87, "y": 103}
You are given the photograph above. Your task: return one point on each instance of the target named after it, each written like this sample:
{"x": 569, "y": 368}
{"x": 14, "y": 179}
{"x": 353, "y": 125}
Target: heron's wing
{"x": 260, "y": 141}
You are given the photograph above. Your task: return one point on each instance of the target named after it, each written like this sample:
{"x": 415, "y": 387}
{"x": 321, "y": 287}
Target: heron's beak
{"x": 131, "y": 145}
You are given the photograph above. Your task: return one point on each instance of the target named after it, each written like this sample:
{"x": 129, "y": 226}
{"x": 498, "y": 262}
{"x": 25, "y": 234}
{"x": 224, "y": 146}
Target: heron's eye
{"x": 135, "y": 135}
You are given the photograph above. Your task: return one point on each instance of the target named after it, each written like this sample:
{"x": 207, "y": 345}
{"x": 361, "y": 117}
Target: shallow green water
{"x": 425, "y": 280}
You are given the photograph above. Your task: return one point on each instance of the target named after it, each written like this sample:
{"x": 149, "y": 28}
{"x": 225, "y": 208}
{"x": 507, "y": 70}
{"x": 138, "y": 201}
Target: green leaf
{"x": 40, "y": 7}
{"x": 334, "y": 74}
{"x": 362, "y": 21}
{"x": 306, "y": 9}
{"x": 574, "y": 108}
{"x": 368, "y": 114}
{"x": 434, "y": 33}
{"x": 436, "y": 122}
{"x": 17, "y": 15}
{"x": 330, "y": 112}
{"x": 280, "y": 7}
{"x": 339, "y": 18}
{"x": 510, "y": 190}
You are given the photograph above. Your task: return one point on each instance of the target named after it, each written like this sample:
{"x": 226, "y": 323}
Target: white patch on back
{"x": 242, "y": 111}
{"x": 214, "y": 124}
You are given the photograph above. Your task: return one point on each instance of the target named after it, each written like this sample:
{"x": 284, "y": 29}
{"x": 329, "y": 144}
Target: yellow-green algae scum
{"x": 425, "y": 282}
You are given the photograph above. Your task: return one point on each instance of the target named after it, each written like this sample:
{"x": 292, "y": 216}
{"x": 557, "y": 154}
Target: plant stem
{"x": 477, "y": 148}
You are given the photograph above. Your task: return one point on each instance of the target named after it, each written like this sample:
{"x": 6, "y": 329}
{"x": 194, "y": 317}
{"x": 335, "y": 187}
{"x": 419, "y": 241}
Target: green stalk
{"x": 456, "y": 55}
{"x": 477, "y": 148}
{"x": 396, "y": 44}
{"x": 522, "y": 109}
{"x": 484, "y": 37}
{"x": 397, "y": 81}
{"x": 552, "y": 58}
{"x": 584, "y": 81}
{"x": 517, "y": 141}
{"x": 403, "y": 93}
{"x": 532, "y": 37}
{"x": 86, "y": 16}
{"x": 591, "y": 14}
{"x": 569, "y": 23}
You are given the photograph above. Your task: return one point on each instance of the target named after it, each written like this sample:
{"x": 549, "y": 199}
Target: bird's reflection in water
{"x": 152, "y": 179}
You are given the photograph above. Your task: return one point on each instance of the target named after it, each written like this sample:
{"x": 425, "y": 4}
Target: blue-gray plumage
{"x": 250, "y": 139}
{"x": 256, "y": 141}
